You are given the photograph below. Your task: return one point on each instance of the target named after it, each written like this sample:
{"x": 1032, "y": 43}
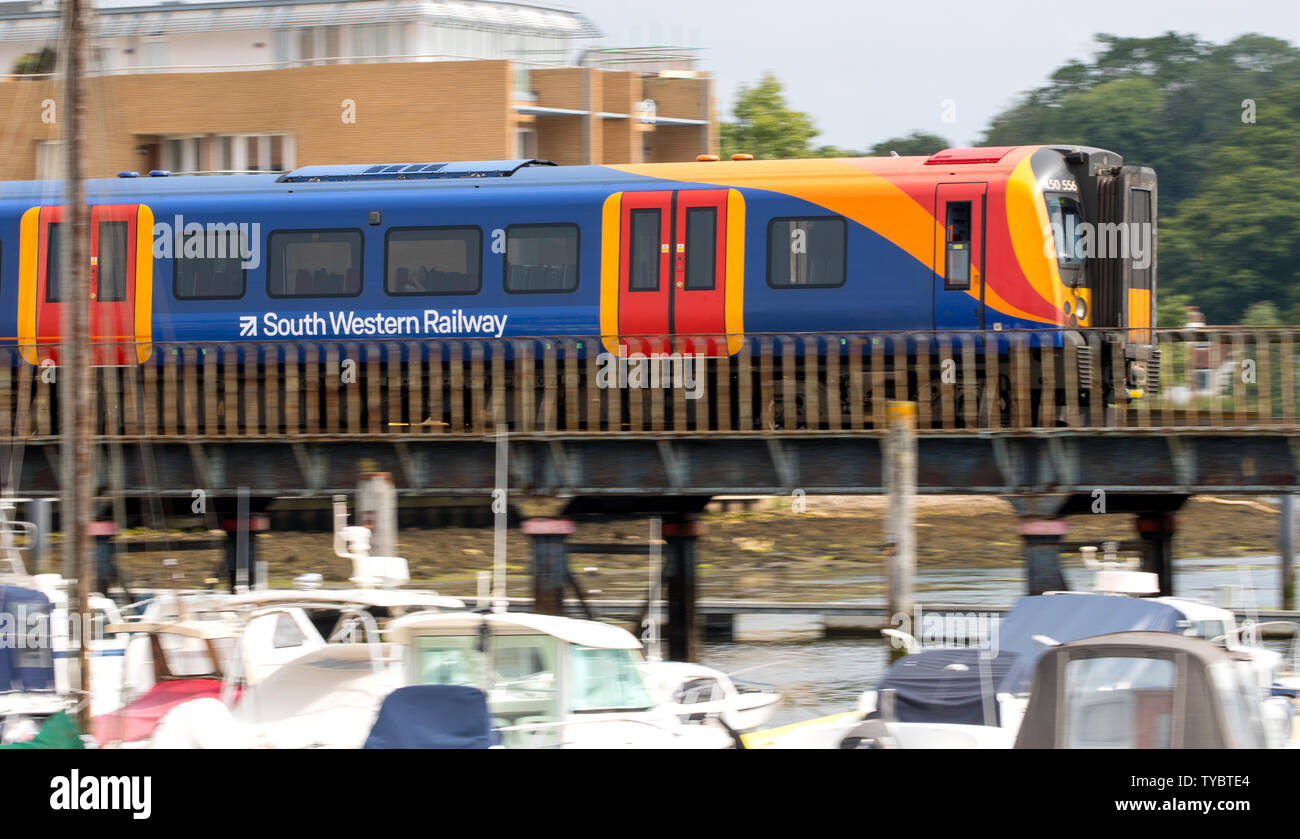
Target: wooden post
{"x": 900, "y": 489}
{"x": 75, "y": 379}
{"x": 680, "y": 533}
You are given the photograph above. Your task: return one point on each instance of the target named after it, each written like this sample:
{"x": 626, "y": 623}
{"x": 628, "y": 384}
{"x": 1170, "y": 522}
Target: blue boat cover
{"x": 948, "y": 685}
{"x": 26, "y": 657}
{"x": 432, "y": 717}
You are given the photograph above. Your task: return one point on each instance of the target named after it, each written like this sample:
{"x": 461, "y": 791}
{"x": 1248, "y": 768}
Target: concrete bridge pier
{"x": 550, "y": 562}
{"x": 1157, "y": 532}
{"x": 1042, "y": 542}
{"x": 679, "y": 533}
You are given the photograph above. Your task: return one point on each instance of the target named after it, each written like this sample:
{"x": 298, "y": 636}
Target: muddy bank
{"x": 831, "y": 550}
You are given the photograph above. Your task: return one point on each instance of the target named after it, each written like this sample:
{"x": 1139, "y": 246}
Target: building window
{"x": 541, "y": 258}
{"x": 434, "y": 260}
{"x": 314, "y": 263}
{"x": 251, "y": 152}
{"x": 183, "y": 154}
{"x": 806, "y": 252}
{"x": 49, "y": 160}
{"x": 218, "y": 274}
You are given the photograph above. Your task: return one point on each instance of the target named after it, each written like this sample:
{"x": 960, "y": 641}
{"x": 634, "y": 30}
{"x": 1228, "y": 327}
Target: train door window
{"x": 541, "y": 258}
{"x": 210, "y": 266}
{"x": 433, "y": 260}
{"x": 111, "y": 262}
{"x": 958, "y": 246}
{"x": 806, "y": 252}
{"x": 643, "y": 261}
{"x": 701, "y": 247}
{"x": 314, "y": 263}
{"x": 54, "y": 263}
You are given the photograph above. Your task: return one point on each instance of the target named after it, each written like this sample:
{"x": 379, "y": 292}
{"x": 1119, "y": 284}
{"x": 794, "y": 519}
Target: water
{"x": 826, "y": 676}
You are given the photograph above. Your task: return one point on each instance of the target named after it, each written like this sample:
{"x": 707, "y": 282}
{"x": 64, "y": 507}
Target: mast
{"x": 74, "y": 379}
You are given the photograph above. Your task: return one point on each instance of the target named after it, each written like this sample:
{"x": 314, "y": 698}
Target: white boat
{"x": 975, "y": 695}
{"x": 708, "y": 692}
{"x": 548, "y": 681}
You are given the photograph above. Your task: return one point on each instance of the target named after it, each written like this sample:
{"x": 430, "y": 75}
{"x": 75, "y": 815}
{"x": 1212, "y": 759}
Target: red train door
{"x": 645, "y": 287}
{"x": 673, "y": 272}
{"x": 959, "y": 256}
{"x": 112, "y": 278}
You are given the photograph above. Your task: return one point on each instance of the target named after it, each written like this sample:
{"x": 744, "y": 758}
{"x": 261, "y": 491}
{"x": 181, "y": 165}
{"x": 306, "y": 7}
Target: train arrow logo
{"x": 247, "y": 326}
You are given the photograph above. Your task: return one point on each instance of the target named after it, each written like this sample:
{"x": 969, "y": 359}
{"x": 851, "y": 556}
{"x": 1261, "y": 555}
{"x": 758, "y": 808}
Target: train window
{"x": 701, "y": 247}
{"x": 541, "y": 258}
{"x": 643, "y": 261}
{"x": 111, "y": 262}
{"x": 53, "y": 264}
{"x": 314, "y": 263}
{"x": 806, "y": 252}
{"x": 1066, "y": 220}
{"x": 1139, "y": 213}
{"x": 216, "y": 273}
{"x": 433, "y": 260}
{"x": 958, "y": 246}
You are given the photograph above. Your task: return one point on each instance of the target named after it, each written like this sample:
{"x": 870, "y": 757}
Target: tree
{"x": 35, "y": 63}
{"x": 765, "y": 126}
{"x": 918, "y": 143}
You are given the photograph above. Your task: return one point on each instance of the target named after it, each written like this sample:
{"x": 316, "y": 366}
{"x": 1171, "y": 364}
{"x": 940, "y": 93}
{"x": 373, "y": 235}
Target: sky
{"x": 867, "y": 71}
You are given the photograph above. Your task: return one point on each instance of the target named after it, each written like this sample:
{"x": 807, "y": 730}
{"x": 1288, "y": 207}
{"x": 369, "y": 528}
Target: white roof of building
{"x": 34, "y": 20}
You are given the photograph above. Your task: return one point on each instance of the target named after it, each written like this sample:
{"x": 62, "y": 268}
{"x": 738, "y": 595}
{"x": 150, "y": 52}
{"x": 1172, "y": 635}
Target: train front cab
{"x": 1121, "y": 285}
{"x": 120, "y": 276}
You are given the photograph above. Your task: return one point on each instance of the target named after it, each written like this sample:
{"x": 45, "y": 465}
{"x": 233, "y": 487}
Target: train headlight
{"x": 1080, "y": 308}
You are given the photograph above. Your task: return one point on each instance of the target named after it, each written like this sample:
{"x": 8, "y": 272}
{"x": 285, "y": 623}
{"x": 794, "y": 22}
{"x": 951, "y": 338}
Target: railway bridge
{"x": 1055, "y": 429}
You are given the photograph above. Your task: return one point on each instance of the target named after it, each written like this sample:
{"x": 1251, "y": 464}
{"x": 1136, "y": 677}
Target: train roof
{"x": 982, "y": 162}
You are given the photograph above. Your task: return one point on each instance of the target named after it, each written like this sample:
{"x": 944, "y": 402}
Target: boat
{"x": 709, "y": 692}
{"x": 28, "y": 695}
{"x": 1143, "y": 690}
{"x": 550, "y": 682}
{"x": 974, "y": 694}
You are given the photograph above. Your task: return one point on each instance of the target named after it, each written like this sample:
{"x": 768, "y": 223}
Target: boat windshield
{"x": 606, "y": 680}
{"x": 520, "y": 681}
{"x": 1120, "y": 702}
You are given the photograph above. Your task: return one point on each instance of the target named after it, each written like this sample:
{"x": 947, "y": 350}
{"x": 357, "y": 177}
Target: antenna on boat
{"x": 653, "y": 652}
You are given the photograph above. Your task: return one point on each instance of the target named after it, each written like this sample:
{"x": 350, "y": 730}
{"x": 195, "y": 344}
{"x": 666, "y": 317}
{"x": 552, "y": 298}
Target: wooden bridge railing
{"x": 1238, "y": 378}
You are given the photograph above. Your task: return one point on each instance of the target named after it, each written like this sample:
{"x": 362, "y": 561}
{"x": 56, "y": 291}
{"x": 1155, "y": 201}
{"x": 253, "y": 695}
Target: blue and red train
{"x": 966, "y": 239}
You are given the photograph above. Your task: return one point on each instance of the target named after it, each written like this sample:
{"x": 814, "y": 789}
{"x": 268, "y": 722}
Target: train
{"x": 682, "y": 256}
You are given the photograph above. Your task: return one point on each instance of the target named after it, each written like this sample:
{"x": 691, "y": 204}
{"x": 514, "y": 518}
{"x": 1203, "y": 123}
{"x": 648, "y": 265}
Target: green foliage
{"x": 917, "y": 143}
{"x": 33, "y": 63}
{"x": 1228, "y": 233}
{"x": 766, "y": 127}
{"x": 1263, "y": 313}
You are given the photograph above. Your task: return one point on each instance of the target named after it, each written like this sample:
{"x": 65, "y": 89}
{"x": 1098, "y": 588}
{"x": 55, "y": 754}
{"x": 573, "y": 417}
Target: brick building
{"x": 268, "y": 85}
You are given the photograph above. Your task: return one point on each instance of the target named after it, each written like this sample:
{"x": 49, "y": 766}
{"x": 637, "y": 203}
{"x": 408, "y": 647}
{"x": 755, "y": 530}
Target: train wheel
{"x": 774, "y": 418}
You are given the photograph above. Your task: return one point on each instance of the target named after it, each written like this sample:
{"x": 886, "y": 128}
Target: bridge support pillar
{"x": 255, "y": 525}
{"x": 1157, "y": 532}
{"x": 550, "y": 563}
{"x": 679, "y": 534}
{"x": 1286, "y": 550}
{"x": 1042, "y": 540}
